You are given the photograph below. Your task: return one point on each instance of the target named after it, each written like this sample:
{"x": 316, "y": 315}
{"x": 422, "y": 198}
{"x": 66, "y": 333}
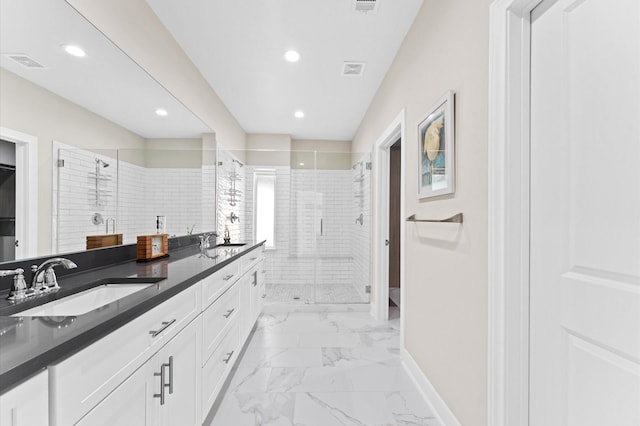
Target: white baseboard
{"x": 440, "y": 410}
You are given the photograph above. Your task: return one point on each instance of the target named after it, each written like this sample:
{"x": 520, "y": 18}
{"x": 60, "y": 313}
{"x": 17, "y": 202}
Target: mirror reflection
{"x": 84, "y": 133}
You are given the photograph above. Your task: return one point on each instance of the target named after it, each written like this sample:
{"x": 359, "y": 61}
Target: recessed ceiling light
{"x": 298, "y": 114}
{"x": 292, "y": 56}
{"x": 302, "y": 164}
{"x": 162, "y": 112}
{"x": 74, "y": 51}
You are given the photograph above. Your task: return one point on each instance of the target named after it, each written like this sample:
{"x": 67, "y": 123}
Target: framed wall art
{"x": 436, "y": 168}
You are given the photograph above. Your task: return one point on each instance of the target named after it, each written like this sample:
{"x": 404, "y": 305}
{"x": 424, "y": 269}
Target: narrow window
{"x": 264, "y": 215}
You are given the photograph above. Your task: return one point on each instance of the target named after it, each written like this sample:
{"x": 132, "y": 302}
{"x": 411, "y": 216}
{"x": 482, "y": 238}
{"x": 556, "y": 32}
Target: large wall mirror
{"x": 108, "y": 161}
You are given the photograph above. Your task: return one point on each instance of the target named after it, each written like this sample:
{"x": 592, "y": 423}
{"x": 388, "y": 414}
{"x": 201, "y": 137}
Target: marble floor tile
{"x": 269, "y": 339}
{"x": 410, "y": 409}
{"x": 322, "y": 365}
{"x": 353, "y": 357}
{"x": 281, "y": 357}
{"x": 246, "y": 380}
{"x": 342, "y": 408}
{"x": 387, "y": 376}
{"x": 249, "y": 409}
{"x": 309, "y": 379}
{"x": 331, "y": 340}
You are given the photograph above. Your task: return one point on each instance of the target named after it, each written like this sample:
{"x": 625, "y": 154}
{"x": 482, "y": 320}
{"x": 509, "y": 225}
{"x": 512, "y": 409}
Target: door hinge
{"x": 60, "y": 163}
{"x": 367, "y": 289}
{"x": 368, "y": 165}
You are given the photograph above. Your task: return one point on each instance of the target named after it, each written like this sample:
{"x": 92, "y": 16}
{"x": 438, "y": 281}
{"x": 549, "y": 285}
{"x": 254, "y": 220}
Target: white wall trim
{"x": 393, "y": 132}
{"x": 27, "y": 189}
{"x": 508, "y": 252}
{"x": 438, "y": 407}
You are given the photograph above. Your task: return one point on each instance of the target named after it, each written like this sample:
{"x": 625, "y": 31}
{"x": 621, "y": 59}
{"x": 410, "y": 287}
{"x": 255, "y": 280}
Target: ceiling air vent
{"x": 365, "y": 6}
{"x": 25, "y": 60}
{"x": 353, "y": 69}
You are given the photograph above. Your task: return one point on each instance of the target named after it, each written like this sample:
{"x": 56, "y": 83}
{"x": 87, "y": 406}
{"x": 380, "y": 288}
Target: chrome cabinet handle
{"x": 230, "y": 354}
{"x": 165, "y": 325}
{"x": 161, "y": 394}
{"x": 227, "y": 277}
{"x": 170, "y": 365}
{"x": 228, "y": 314}
{"x": 253, "y": 258}
{"x": 255, "y": 278}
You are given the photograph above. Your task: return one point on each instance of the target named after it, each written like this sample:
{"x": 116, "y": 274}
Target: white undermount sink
{"x": 85, "y": 301}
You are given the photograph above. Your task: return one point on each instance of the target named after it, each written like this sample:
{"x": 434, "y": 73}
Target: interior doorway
{"x": 8, "y": 241}
{"x": 389, "y": 224}
{"x": 24, "y": 149}
{"x": 395, "y": 156}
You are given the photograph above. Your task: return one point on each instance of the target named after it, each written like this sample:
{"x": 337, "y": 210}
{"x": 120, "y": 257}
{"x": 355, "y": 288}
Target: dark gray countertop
{"x": 30, "y": 344}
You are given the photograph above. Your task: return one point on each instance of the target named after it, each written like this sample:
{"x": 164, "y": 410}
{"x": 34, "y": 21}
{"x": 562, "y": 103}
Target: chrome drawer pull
{"x": 228, "y": 314}
{"x": 165, "y": 325}
{"x": 226, "y": 361}
{"x": 161, "y": 394}
{"x": 170, "y": 365}
{"x": 253, "y": 258}
{"x": 227, "y": 277}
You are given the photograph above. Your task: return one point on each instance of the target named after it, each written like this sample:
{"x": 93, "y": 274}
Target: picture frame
{"x": 436, "y": 149}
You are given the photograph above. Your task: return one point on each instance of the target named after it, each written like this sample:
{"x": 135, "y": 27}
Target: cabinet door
{"x": 131, "y": 403}
{"x": 181, "y": 359}
{"x": 26, "y": 404}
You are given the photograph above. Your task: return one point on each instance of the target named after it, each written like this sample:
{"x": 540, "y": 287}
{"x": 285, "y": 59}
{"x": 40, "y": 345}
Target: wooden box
{"x": 99, "y": 241}
{"x": 152, "y": 246}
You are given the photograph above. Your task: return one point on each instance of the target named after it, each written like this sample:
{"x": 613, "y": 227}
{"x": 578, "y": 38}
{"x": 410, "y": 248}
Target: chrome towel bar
{"x": 456, "y": 218}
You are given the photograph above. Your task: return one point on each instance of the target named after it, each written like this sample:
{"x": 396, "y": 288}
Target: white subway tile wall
{"x": 185, "y": 196}
{"x": 321, "y": 254}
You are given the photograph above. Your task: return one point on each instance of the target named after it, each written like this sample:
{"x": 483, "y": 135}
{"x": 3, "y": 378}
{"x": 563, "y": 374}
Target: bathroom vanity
{"x": 156, "y": 357}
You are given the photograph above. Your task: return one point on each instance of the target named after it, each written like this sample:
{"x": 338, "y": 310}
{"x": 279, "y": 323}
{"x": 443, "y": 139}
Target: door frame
{"x": 508, "y": 227}
{"x": 26, "y": 190}
{"x": 394, "y": 131}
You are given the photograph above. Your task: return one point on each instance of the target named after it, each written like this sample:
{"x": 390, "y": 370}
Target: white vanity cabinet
{"x": 26, "y": 404}
{"x": 82, "y": 381}
{"x": 163, "y": 391}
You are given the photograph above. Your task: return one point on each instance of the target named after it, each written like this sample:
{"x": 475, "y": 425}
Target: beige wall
{"x": 28, "y": 108}
{"x": 268, "y": 149}
{"x": 136, "y": 30}
{"x": 446, "y": 272}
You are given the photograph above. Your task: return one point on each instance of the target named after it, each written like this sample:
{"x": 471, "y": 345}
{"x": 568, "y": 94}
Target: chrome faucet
{"x": 44, "y": 278}
{"x": 204, "y": 243}
{"x": 233, "y": 217}
{"x": 19, "y": 288}
{"x": 360, "y": 219}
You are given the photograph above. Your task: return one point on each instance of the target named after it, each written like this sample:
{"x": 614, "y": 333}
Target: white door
{"x": 585, "y": 213}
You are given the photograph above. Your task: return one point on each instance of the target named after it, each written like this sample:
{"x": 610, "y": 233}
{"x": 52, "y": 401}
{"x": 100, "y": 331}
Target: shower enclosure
{"x": 318, "y": 205}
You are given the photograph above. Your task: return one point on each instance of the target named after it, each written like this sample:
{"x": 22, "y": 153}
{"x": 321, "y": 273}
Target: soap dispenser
{"x": 227, "y": 236}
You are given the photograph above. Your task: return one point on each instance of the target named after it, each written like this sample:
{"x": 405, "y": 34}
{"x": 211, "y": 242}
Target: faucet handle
{"x": 19, "y": 288}
{"x": 50, "y": 279}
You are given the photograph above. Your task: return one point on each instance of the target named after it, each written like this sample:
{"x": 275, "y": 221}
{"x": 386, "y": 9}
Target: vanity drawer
{"x": 217, "y": 368}
{"x": 215, "y": 284}
{"x": 252, "y": 258}
{"x": 80, "y": 382}
{"x": 216, "y": 320}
